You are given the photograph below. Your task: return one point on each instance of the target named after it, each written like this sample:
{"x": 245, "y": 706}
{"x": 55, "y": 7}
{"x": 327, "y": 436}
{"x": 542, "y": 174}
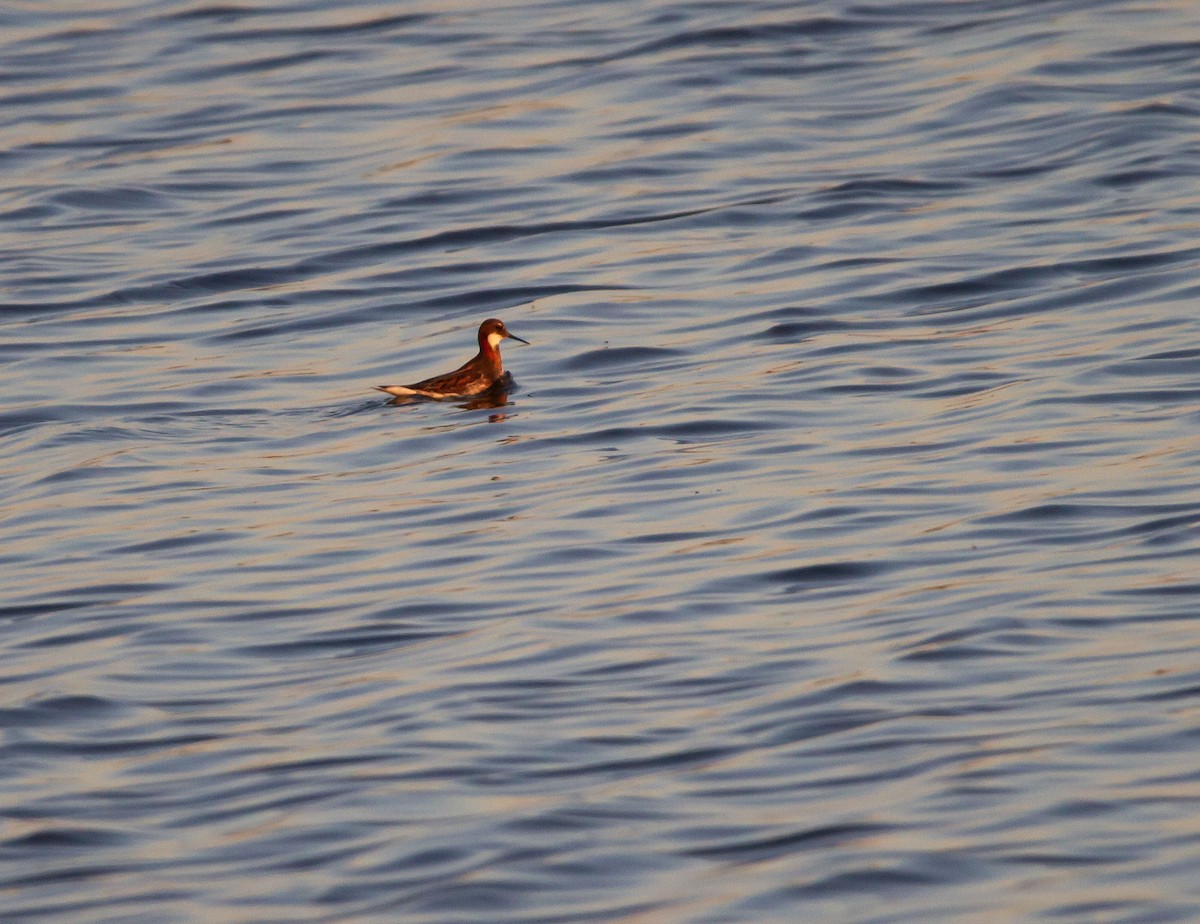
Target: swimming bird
{"x": 485, "y": 371}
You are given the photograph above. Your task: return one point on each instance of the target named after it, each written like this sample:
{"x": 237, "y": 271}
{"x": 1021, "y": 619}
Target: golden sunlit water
{"x": 833, "y": 559}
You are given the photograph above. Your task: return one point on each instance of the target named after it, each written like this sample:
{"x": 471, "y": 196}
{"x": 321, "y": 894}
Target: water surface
{"x": 834, "y": 558}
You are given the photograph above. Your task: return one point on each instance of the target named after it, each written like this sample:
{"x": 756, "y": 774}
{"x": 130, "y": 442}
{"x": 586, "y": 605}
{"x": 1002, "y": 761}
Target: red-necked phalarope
{"x": 483, "y": 372}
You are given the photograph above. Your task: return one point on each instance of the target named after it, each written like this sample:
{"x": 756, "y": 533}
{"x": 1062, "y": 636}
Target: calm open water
{"x": 836, "y": 559}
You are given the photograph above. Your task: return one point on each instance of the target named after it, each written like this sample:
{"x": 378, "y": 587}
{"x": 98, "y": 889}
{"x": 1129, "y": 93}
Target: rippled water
{"x": 835, "y": 558}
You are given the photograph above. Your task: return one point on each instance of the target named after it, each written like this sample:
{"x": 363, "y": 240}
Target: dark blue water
{"x": 835, "y": 558}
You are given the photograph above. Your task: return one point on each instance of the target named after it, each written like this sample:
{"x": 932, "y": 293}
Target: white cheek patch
{"x": 494, "y": 339}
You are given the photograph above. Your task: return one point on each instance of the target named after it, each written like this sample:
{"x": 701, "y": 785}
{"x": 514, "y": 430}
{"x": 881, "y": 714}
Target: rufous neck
{"x": 490, "y": 356}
